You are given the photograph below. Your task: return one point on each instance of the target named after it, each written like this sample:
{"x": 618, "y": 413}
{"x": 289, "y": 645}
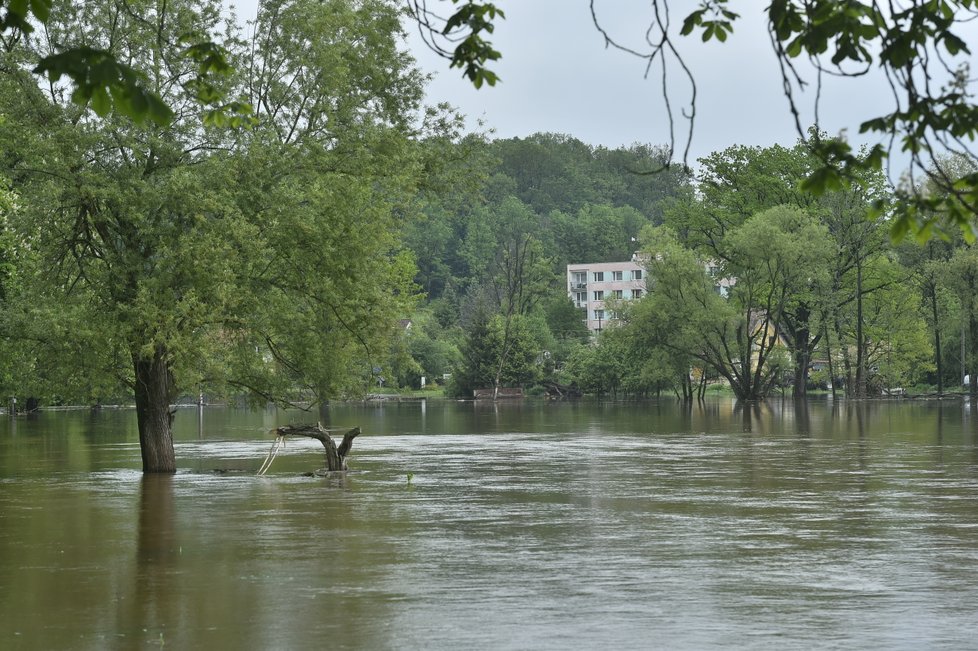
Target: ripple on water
{"x": 568, "y": 537}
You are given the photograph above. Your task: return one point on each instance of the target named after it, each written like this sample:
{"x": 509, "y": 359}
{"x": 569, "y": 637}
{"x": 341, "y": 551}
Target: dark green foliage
{"x": 486, "y": 344}
{"x": 581, "y": 203}
{"x": 559, "y": 172}
{"x": 566, "y": 322}
{"x": 477, "y": 366}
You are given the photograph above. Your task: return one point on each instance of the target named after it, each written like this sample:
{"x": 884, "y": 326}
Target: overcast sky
{"x": 557, "y": 76}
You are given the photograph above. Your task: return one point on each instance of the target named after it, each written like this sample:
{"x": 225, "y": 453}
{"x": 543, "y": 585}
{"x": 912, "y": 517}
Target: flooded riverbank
{"x": 529, "y": 525}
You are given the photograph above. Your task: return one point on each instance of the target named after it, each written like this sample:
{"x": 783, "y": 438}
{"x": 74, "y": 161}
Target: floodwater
{"x": 512, "y": 526}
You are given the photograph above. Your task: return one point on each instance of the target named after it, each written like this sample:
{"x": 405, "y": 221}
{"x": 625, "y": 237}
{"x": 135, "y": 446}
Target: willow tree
{"x": 772, "y": 255}
{"x": 265, "y": 260}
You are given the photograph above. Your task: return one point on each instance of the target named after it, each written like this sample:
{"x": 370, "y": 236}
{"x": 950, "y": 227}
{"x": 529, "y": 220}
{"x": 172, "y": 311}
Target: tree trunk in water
{"x": 801, "y": 371}
{"x": 937, "y": 340}
{"x": 335, "y": 455}
{"x": 803, "y": 351}
{"x": 154, "y": 391}
{"x": 828, "y": 356}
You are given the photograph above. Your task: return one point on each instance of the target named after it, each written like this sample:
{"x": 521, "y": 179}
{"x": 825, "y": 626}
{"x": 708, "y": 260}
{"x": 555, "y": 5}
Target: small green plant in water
{"x": 410, "y": 476}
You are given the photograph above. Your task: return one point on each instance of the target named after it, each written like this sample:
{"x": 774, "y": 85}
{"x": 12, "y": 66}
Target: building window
{"x": 580, "y": 298}
{"x": 598, "y": 276}
{"x": 599, "y": 315}
{"x": 714, "y": 271}
{"x": 579, "y": 279}
{"x": 599, "y": 295}
{"x": 636, "y": 293}
{"x": 637, "y": 274}
{"x": 617, "y": 293}
{"x": 616, "y": 275}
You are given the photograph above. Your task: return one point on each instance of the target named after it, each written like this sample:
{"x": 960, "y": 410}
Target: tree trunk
{"x": 153, "y": 392}
{"x": 972, "y": 357}
{"x": 860, "y": 340}
{"x": 932, "y": 290}
{"x": 335, "y": 456}
{"x": 802, "y": 345}
{"x": 828, "y": 356}
{"x": 801, "y": 371}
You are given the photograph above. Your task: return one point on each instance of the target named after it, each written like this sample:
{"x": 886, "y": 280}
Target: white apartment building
{"x": 589, "y": 285}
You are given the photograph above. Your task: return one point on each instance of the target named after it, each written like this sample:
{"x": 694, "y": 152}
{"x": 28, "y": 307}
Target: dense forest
{"x": 341, "y": 237}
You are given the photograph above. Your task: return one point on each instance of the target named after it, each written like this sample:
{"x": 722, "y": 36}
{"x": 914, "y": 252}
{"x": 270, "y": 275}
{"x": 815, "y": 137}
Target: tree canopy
{"x": 187, "y": 257}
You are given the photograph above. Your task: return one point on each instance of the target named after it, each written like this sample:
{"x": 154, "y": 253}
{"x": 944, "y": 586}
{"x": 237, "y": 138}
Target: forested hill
{"x": 578, "y": 202}
{"x": 557, "y": 172}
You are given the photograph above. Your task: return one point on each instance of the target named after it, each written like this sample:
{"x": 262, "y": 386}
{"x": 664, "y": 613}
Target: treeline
{"x": 491, "y": 261}
{"x": 821, "y": 297}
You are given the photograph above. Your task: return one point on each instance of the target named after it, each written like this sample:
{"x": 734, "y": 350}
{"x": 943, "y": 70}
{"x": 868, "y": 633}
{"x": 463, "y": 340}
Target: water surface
{"x": 527, "y": 525}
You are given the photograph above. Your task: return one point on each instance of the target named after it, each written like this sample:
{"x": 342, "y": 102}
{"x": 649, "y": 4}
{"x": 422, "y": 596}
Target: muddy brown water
{"x": 530, "y": 525}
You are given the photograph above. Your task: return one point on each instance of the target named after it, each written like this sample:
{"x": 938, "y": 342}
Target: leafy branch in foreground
{"x": 102, "y": 81}
{"x": 919, "y": 47}
{"x": 464, "y": 29}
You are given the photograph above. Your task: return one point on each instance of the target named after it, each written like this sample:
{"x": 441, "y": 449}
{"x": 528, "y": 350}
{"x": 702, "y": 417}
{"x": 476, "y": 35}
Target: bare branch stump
{"x": 335, "y": 456}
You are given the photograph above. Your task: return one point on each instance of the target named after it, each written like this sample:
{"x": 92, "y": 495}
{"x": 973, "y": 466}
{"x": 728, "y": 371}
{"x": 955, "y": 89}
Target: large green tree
{"x": 771, "y": 255}
{"x": 265, "y": 260}
{"x": 496, "y": 352}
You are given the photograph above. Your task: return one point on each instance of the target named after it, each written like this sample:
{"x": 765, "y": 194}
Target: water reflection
{"x": 802, "y": 417}
{"x": 158, "y": 546}
{"x": 156, "y": 597}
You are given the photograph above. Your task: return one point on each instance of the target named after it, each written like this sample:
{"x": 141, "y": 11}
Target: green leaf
{"x": 157, "y": 110}
{"x": 692, "y": 20}
{"x": 794, "y": 47}
{"x": 18, "y": 8}
{"x": 954, "y": 45}
{"x": 101, "y": 102}
{"x": 41, "y": 9}
{"x": 899, "y": 228}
